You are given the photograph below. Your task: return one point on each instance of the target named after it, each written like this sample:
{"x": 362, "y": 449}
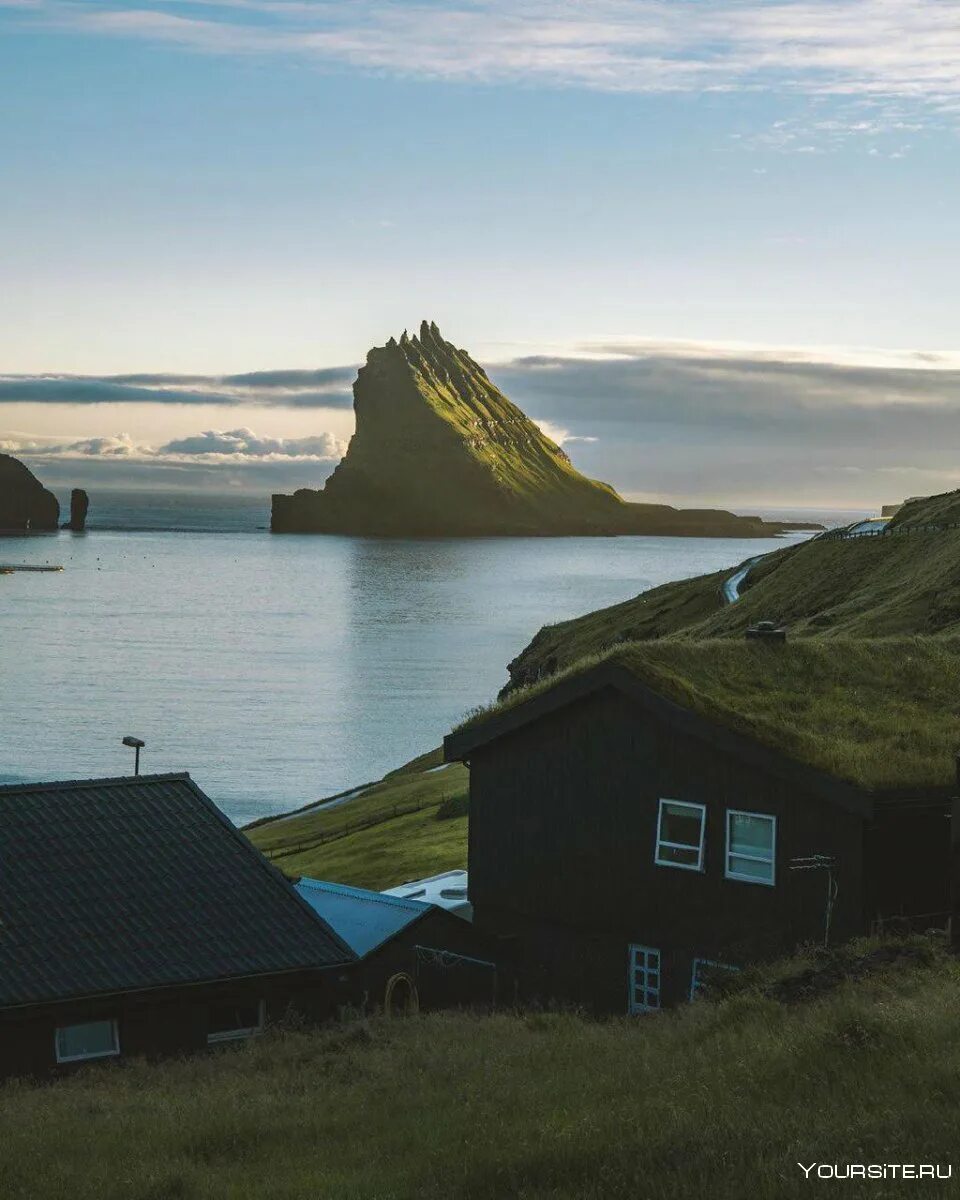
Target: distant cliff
{"x": 25, "y": 504}
{"x": 439, "y": 450}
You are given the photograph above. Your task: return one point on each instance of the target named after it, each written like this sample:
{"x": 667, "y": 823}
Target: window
{"x": 751, "y": 847}
{"x": 680, "y": 829}
{"x": 229, "y": 1021}
{"x": 93, "y": 1039}
{"x": 644, "y": 980}
{"x": 703, "y": 969}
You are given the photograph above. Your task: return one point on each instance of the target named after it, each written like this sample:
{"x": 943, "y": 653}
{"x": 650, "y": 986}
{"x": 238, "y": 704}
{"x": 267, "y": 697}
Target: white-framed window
{"x": 91, "y": 1039}
{"x": 680, "y": 832}
{"x": 227, "y": 1022}
{"x": 699, "y": 976}
{"x": 751, "y": 847}
{"x": 643, "y": 979}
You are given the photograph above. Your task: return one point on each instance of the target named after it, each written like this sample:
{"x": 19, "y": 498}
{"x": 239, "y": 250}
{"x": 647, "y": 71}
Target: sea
{"x": 279, "y": 670}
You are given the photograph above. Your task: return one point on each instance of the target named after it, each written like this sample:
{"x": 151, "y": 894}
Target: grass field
{"x": 862, "y": 587}
{"x": 389, "y": 838}
{"x": 718, "y": 1100}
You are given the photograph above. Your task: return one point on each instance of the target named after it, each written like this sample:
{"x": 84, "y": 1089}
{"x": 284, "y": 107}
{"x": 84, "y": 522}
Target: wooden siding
{"x": 158, "y": 1024}
{"x": 438, "y": 986}
{"x": 563, "y": 816}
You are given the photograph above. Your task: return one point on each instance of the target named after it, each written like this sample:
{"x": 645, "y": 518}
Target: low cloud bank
{"x": 325, "y": 388}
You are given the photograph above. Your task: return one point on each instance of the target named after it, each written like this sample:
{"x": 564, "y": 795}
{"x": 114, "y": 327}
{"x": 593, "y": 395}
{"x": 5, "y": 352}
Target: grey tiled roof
{"x": 108, "y": 885}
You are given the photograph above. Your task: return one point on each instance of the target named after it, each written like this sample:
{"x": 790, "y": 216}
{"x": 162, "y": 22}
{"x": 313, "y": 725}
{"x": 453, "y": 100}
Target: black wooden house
{"x": 136, "y": 920}
{"x": 678, "y": 809}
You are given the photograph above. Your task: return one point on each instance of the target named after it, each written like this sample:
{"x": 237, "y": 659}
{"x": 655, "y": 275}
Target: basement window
{"x": 92, "y": 1039}
{"x": 229, "y": 1022}
{"x": 751, "y": 847}
{"x": 701, "y": 976}
{"x": 680, "y": 832}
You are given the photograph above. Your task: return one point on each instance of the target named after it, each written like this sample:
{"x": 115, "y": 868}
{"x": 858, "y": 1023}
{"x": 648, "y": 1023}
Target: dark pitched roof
{"x": 365, "y": 920}
{"x": 110, "y": 885}
{"x": 853, "y": 716}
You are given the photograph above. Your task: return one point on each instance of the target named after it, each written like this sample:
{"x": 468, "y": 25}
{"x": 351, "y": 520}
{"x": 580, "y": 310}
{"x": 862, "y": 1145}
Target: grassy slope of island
{"x": 861, "y": 587}
{"x": 720, "y": 1099}
{"x": 411, "y": 824}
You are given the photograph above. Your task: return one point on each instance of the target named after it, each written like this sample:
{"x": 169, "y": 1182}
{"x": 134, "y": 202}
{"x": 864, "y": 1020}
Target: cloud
{"x": 852, "y": 48}
{"x": 213, "y": 447}
{"x": 244, "y": 442}
{"x": 325, "y": 388}
{"x": 740, "y": 425}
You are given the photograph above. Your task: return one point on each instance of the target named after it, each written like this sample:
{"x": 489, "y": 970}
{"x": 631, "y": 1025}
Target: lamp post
{"x": 136, "y": 745}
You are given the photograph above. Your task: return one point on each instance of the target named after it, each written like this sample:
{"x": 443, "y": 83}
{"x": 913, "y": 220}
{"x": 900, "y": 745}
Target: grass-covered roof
{"x": 878, "y": 712}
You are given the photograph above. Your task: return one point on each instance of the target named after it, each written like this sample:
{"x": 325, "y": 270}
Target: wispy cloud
{"x": 909, "y": 49}
{"x": 325, "y": 388}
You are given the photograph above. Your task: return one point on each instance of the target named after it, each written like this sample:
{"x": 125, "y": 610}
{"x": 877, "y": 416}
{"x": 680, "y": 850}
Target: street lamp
{"x": 136, "y": 745}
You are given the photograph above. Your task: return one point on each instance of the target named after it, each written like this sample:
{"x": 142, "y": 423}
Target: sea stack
{"x": 439, "y": 451}
{"x": 26, "y": 506}
{"x": 79, "y": 503}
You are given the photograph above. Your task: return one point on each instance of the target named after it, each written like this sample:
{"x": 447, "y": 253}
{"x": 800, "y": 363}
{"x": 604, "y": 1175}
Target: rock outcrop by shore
{"x": 26, "y": 506}
{"x": 439, "y": 450}
{"x": 79, "y": 503}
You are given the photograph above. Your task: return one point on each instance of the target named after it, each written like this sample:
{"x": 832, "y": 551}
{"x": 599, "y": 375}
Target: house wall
{"x": 909, "y": 865}
{"x": 563, "y": 817}
{"x": 440, "y": 984}
{"x": 157, "y": 1024}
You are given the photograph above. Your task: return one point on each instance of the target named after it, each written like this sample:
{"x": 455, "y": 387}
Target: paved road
{"x": 732, "y": 585}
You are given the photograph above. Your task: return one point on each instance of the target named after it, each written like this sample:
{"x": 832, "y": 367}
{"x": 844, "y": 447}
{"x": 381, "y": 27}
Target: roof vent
{"x": 767, "y": 631}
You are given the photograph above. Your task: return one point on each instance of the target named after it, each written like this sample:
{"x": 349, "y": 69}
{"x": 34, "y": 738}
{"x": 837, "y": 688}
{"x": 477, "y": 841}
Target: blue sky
{"x": 252, "y": 184}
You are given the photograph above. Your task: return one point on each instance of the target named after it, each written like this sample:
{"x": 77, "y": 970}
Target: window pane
{"x": 86, "y": 1041}
{"x": 679, "y": 823}
{"x": 751, "y": 868}
{"x": 751, "y": 834}
{"x": 231, "y": 1018}
{"x": 670, "y": 854}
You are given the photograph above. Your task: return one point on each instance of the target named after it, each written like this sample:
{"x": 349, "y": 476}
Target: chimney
{"x": 766, "y": 631}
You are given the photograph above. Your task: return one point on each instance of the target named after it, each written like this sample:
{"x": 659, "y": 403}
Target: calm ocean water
{"x": 278, "y": 670}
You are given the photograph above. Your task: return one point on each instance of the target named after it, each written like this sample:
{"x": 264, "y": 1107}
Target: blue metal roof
{"x": 362, "y": 919}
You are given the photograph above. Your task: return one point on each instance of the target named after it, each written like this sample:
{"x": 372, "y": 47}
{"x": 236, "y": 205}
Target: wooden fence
{"x": 842, "y": 535}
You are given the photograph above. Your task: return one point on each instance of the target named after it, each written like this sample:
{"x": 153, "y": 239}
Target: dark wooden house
{"x": 136, "y": 920}
{"x": 410, "y": 955}
{"x": 677, "y": 809}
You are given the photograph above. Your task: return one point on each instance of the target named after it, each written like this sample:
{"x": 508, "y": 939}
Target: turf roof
{"x": 878, "y": 712}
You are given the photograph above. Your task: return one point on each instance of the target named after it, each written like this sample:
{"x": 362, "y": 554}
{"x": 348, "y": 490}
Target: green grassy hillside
{"x": 410, "y": 824}
{"x": 720, "y": 1099}
{"x": 861, "y": 587}
{"x": 942, "y": 509}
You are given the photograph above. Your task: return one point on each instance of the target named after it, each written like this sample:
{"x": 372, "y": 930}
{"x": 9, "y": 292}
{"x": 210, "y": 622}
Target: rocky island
{"x": 439, "y": 451}
{"x": 26, "y": 506}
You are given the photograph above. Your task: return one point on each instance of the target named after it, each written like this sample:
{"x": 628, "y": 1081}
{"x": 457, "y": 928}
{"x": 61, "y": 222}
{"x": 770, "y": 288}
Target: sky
{"x": 712, "y": 245}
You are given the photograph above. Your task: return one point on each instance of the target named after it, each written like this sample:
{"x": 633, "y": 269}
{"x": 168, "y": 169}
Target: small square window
{"x": 680, "y": 832}
{"x": 700, "y": 976}
{"x": 751, "y": 847}
{"x": 230, "y": 1021}
{"x": 92, "y": 1039}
